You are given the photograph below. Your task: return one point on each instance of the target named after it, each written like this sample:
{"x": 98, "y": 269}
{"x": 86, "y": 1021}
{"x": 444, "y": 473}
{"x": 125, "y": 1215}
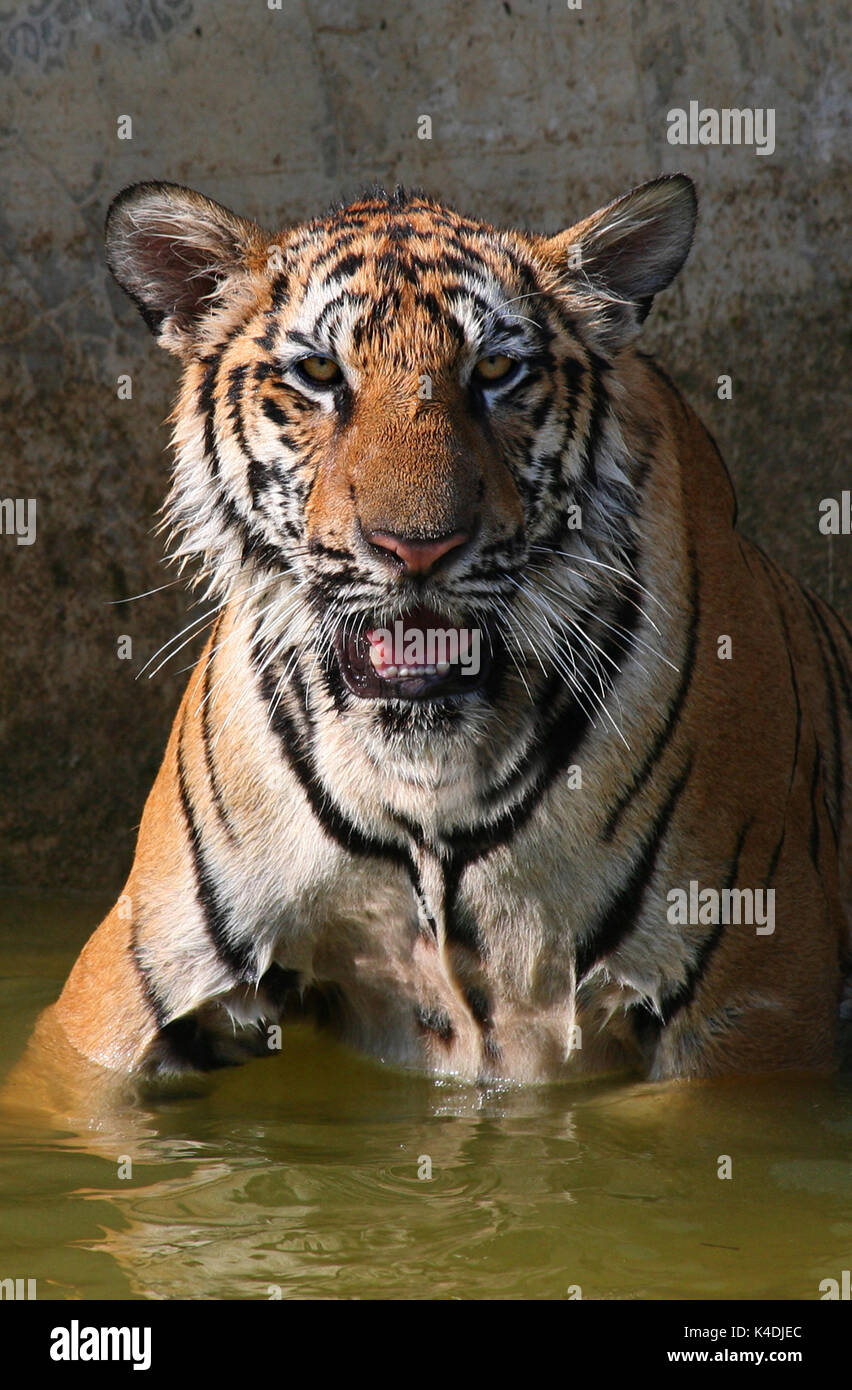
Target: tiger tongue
{"x": 391, "y": 651}
{"x": 381, "y": 646}
{"x": 405, "y": 643}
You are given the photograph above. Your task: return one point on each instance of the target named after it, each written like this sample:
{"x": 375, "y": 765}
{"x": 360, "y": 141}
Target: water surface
{"x": 298, "y": 1177}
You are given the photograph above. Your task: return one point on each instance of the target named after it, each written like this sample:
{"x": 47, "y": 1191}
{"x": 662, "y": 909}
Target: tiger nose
{"x": 417, "y": 556}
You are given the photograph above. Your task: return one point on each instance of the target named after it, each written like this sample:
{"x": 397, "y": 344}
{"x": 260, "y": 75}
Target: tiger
{"x": 399, "y": 426}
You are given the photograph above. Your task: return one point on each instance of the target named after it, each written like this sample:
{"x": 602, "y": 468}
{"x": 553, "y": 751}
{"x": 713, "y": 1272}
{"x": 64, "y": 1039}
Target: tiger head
{"x": 396, "y": 447}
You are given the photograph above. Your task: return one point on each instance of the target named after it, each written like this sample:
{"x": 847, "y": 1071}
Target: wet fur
{"x": 425, "y": 880}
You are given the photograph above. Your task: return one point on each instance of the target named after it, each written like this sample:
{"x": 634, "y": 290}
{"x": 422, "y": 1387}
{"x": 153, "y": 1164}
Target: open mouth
{"x": 417, "y": 656}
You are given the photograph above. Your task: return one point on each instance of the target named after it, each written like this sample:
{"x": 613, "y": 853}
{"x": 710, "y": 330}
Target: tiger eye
{"x": 323, "y": 370}
{"x": 494, "y": 368}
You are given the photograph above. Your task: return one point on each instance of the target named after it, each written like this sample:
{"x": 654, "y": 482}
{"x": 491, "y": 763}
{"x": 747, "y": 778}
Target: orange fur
{"x": 424, "y": 876}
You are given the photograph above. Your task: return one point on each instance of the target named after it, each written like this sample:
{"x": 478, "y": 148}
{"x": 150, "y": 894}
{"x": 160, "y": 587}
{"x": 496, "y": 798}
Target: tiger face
{"x": 397, "y": 453}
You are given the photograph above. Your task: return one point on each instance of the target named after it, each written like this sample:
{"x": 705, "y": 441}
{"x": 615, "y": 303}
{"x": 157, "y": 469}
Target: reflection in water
{"x": 300, "y": 1174}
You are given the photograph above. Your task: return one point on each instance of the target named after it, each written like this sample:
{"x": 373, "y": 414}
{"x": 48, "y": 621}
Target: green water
{"x": 300, "y": 1174}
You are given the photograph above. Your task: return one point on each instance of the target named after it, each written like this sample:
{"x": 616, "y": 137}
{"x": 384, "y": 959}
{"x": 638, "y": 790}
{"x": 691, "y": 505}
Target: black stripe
{"x": 622, "y": 914}
{"x": 253, "y": 543}
{"x": 345, "y": 297}
{"x": 573, "y": 374}
{"x": 280, "y": 292}
{"x": 207, "y": 403}
{"x": 460, "y": 927}
{"x": 329, "y": 552}
{"x": 333, "y": 249}
{"x": 427, "y": 301}
{"x": 776, "y": 853}
{"x": 390, "y": 266}
{"x": 206, "y": 735}
{"x": 682, "y": 997}
{"x": 256, "y": 472}
{"x": 817, "y": 607}
{"x": 435, "y": 1020}
{"x": 297, "y": 753}
{"x": 275, "y": 413}
{"x": 795, "y": 686}
{"x": 819, "y": 631}
{"x": 673, "y": 712}
{"x": 237, "y": 956}
{"x": 598, "y": 403}
{"x": 459, "y": 262}
{"x": 814, "y": 836}
{"x": 236, "y": 377}
{"x": 349, "y": 263}
{"x": 188, "y": 1046}
{"x": 773, "y": 574}
{"x": 149, "y": 989}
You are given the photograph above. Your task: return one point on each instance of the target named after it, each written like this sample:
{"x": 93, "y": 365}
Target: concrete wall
{"x": 539, "y": 114}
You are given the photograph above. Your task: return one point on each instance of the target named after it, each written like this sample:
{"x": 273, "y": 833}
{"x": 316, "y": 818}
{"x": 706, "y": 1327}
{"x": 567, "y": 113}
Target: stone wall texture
{"x": 540, "y": 113}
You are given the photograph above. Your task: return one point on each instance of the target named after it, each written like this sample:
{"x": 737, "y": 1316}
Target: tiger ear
{"x": 179, "y": 256}
{"x": 627, "y": 252}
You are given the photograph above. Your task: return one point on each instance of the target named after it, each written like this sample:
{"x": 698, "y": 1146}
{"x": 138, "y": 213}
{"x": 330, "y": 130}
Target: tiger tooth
{"x": 443, "y": 668}
{"x": 390, "y": 672}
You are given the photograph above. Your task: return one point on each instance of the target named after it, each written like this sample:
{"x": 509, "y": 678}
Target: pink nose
{"x": 418, "y": 557}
